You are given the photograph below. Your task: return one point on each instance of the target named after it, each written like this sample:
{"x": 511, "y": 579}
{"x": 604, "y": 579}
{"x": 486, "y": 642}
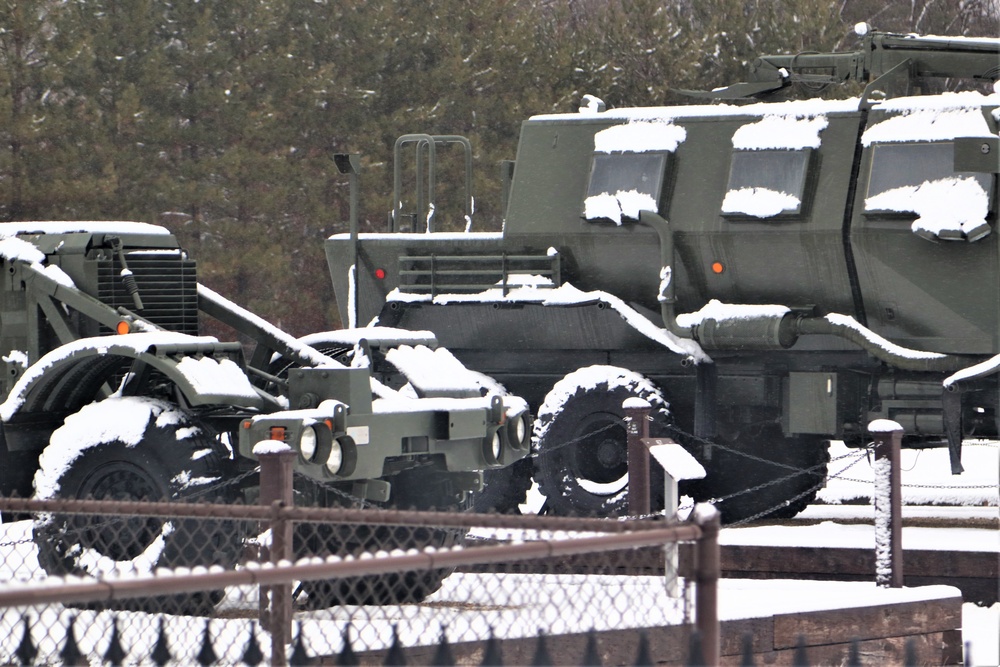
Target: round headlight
{"x": 307, "y": 443}
{"x": 520, "y": 429}
{"x": 336, "y": 459}
{"x": 496, "y": 447}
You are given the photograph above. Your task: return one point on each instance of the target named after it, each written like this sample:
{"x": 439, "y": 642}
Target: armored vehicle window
{"x": 622, "y": 172}
{"x": 766, "y": 183}
{"x": 906, "y": 166}
{"x": 622, "y": 184}
{"x": 918, "y": 181}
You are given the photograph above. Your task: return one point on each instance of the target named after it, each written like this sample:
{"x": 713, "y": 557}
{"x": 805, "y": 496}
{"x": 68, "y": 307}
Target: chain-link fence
{"x": 97, "y": 581}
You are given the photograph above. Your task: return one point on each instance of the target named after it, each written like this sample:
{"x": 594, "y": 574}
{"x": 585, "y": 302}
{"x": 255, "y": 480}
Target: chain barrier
{"x": 412, "y": 604}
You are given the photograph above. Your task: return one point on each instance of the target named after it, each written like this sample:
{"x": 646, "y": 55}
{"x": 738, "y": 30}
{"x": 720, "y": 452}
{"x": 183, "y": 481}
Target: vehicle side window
{"x": 766, "y": 183}
{"x": 918, "y": 180}
{"x": 622, "y": 184}
{"x": 904, "y": 166}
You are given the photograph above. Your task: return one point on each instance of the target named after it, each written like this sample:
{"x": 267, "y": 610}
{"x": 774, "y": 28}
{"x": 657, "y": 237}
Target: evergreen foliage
{"x": 218, "y": 118}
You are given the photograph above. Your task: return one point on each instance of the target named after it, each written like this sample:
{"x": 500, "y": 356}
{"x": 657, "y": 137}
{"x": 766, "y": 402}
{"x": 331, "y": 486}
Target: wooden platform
{"x": 974, "y": 573}
{"x": 882, "y": 629}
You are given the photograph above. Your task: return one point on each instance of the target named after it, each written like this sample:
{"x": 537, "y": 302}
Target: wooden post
{"x": 888, "y": 436}
{"x": 277, "y": 462}
{"x": 706, "y": 593}
{"x": 637, "y": 422}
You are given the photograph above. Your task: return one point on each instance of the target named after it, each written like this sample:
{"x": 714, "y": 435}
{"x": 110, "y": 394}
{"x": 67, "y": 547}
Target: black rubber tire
{"x": 581, "y": 441}
{"x": 162, "y": 466}
{"x": 504, "y": 489}
{"x": 754, "y": 458}
{"x": 410, "y": 490}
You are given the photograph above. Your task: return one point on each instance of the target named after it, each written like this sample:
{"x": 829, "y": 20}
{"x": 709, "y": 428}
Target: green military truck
{"x": 111, "y": 393}
{"x": 771, "y": 274}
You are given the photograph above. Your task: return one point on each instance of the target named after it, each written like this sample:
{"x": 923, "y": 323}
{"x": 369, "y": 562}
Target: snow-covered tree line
{"x": 219, "y": 118}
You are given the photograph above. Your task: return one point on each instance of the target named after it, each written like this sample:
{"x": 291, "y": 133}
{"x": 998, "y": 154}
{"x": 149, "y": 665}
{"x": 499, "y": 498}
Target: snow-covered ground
{"x": 471, "y": 604}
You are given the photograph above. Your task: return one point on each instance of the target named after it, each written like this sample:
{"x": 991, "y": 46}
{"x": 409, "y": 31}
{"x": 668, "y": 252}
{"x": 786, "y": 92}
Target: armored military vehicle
{"x": 770, "y": 275}
{"x": 111, "y": 393}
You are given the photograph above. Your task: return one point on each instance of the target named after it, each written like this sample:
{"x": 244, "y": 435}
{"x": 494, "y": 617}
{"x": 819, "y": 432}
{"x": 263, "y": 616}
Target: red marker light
{"x": 380, "y": 274}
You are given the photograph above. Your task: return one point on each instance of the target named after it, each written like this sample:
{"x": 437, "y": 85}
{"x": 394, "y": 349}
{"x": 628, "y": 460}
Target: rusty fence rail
{"x": 373, "y": 589}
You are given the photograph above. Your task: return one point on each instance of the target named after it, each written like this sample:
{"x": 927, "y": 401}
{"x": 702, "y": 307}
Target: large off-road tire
{"x": 581, "y": 451}
{"x": 409, "y": 491}
{"x": 133, "y": 448}
{"x": 759, "y": 473}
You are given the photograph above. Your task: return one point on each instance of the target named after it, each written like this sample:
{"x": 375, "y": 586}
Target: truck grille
{"x": 168, "y": 286}
{"x": 465, "y": 274}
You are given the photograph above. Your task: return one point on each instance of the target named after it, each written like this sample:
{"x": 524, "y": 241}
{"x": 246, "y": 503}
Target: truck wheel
{"x": 133, "y": 448}
{"x": 581, "y": 452}
{"x": 745, "y": 465}
{"x": 408, "y": 587}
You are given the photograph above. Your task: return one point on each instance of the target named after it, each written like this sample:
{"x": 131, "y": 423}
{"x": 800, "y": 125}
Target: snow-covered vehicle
{"x": 111, "y": 393}
{"x": 772, "y": 275}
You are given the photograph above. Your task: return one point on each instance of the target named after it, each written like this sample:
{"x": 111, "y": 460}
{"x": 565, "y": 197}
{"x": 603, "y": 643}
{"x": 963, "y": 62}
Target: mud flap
{"x": 951, "y": 401}
{"x": 704, "y": 405}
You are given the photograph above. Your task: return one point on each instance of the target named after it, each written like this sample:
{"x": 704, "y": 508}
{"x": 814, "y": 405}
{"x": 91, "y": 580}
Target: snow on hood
{"x": 433, "y": 371}
{"x": 138, "y": 342}
{"x": 947, "y": 208}
{"x": 780, "y": 133}
{"x": 15, "y": 249}
{"x": 210, "y": 376}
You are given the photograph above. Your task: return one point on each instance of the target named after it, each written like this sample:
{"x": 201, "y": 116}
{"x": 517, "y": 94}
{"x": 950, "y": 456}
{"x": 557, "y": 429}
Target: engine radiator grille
{"x": 168, "y": 286}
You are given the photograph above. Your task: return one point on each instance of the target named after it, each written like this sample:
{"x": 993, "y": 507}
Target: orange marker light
{"x": 278, "y": 433}
{"x": 123, "y": 328}
{"x": 380, "y": 274}
{"x": 717, "y": 267}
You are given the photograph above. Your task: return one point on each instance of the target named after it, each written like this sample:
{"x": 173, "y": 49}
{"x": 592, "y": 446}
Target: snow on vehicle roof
{"x": 795, "y": 109}
{"x": 87, "y": 226}
{"x": 430, "y": 237}
{"x": 967, "y": 100}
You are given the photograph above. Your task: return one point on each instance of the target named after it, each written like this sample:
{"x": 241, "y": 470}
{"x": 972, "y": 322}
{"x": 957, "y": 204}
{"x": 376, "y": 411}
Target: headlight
{"x": 336, "y": 458}
{"x": 492, "y": 448}
{"x": 307, "y": 443}
{"x": 517, "y": 431}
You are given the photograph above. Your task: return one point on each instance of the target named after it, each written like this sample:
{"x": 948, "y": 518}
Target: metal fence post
{"x": 276, "y": 467}
{"x": 707, "y": 580}
{"x": 637, "y": 423}
{"x": 888, "y": 436}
